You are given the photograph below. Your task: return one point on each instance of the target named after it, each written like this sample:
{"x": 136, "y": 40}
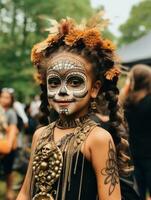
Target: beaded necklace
{"x": 51, "y": 159}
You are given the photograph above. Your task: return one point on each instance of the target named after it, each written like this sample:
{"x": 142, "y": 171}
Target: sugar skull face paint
{"x": 69, "y": 84}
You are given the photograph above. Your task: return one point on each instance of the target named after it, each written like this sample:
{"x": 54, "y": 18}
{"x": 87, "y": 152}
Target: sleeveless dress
{"x": 77, "y": 180}
{"x": 83, "y": 185}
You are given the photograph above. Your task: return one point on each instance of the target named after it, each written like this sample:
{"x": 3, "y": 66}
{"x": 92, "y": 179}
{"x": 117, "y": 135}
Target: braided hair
{"x": 100, "y": 54}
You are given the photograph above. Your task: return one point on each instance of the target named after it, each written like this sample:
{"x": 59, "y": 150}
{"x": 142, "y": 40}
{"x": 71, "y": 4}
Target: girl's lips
{"x": 64, "y": 102}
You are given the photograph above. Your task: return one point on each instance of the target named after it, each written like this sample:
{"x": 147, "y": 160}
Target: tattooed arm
{"x": 103, "y": 157}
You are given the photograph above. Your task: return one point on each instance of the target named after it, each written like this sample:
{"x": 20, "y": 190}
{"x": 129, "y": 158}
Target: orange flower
{"x": 73, "y": 37}
{"x": 111, "y": 73}
{"x": 36, "y": 56}
{"x": 52, "y": 38}
{"x": 39, "y": 78}
{"x": 107, "y": 44}
{"x": 91, "y": 37}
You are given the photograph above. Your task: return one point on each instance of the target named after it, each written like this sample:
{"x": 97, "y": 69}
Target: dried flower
{"x": 91, "y": 37}
{"x": 71, "y": 33}
{"x": 66, "y": 25}
{"x": 111, "y": 73}
{"x": 36, "y": 56}
{"x": 52, "y": 39}
{"x": 73, "y": 37}
{"x": 108, "y": 44}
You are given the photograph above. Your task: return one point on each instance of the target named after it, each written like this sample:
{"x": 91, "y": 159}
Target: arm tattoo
{"x": 111, "y": 169}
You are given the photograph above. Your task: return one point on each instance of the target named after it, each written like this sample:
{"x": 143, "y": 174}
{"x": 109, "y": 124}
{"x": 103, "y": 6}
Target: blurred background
{"x": 22, "y": 25}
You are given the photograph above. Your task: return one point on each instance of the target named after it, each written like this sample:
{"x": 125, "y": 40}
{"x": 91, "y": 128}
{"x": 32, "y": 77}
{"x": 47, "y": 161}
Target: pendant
{"x": 43, "y": 196}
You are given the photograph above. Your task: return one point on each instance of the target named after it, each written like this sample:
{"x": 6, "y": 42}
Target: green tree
{"x": 138, "y": 24}
{"x": 20, "y": 28}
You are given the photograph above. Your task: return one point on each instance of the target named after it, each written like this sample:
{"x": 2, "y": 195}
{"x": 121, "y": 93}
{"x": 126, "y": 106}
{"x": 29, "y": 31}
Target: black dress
{"x": 84, "y": 173}
{"x": 77, "y": 180}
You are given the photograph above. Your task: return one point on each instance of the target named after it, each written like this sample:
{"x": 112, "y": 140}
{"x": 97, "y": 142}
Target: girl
{"x": 73, "y": 158}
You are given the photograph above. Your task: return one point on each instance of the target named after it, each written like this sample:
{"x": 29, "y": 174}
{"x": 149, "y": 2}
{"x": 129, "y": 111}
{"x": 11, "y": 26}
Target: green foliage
{"x": 21, "y": 27}
{"x": 138, "y": 24}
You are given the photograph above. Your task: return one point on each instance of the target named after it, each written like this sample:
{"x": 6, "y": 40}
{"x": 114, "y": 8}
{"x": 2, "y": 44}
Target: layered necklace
{"x": 51, "y": 159}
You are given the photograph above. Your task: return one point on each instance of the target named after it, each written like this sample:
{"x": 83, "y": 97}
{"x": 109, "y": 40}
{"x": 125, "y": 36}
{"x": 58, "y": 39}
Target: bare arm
{"x": 24, "y": 193}
{"x": 103, "y": 156}
{"x": 8, "y": 143}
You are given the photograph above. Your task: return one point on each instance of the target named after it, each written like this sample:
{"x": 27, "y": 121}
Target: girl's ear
{"x": 95, "y": 89}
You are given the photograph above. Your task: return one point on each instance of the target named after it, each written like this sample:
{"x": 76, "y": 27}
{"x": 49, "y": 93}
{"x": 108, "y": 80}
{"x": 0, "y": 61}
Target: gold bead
{"x": 43, "y": 165}
{"x": 37, "y": 158}
{"x": 57, "y": 162}
{"x": 56, "y": 169}
{"x": 53, "y": 174}
{"x": 52, "y": 163}
{"x": 48, "y": 178}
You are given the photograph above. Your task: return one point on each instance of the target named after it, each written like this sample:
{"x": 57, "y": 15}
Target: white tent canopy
{"x": 136, "y": 51}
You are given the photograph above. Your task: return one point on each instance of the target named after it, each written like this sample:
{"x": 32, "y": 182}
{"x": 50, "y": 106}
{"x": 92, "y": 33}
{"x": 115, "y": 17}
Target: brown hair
{"x": 100, "y": 53}
{"x": 140, "y": 80}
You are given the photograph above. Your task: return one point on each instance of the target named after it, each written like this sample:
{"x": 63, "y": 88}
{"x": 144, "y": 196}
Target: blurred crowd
{"x": 18, "y": 123}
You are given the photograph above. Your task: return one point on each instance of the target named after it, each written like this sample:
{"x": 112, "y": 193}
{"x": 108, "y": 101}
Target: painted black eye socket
{"x": 54, "y": 82}
{"x": 75, "y": 81}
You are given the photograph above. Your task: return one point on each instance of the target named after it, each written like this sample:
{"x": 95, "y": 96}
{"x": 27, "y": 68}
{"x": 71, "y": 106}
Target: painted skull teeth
{"x": 66, "y": 79}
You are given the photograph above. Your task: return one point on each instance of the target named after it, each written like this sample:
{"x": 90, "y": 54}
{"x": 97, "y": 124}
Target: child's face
{"x": 70, "y": 84}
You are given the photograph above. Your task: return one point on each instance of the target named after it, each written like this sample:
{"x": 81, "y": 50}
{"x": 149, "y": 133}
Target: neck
{"x": 66, "y": 122}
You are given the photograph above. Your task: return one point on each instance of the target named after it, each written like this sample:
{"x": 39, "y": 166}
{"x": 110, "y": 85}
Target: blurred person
{"x": 6, "y": 101}
{"x": 22, "y": 120}
{"x": 19, "y": 108}
{"x": 32, "y": 124}
{"x": 3, "y": 122}
{"x": 35, "y": 106}
{"x": 136, "y": 98}
{"x": 74, "y": 158}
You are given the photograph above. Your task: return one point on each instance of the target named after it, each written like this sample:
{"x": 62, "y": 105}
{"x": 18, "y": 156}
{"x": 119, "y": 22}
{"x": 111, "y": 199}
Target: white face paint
{"x": 66, "y": 85}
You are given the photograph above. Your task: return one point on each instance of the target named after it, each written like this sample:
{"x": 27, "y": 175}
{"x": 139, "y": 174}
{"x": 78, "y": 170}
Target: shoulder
{"x": 38, "y": 132}
{"x": 37, "y": 135}
{"x": 100, "y": 135}
{"x": 100, "y": 139}
{"x": 11, "y": 111}
{"x": 11, "y": 116}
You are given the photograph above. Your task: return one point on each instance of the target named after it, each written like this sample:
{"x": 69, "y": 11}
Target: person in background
{"x": 32, "y": 125}
{"x": 6, "y": 102}
{"x": 19, "y": 109}
{"x": 22, "y": 123}
{"x": 136, "y": 99}
{"x": 35, "y": 106}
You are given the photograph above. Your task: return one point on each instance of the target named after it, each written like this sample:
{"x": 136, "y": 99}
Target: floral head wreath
{"x": 71, "y": 33}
